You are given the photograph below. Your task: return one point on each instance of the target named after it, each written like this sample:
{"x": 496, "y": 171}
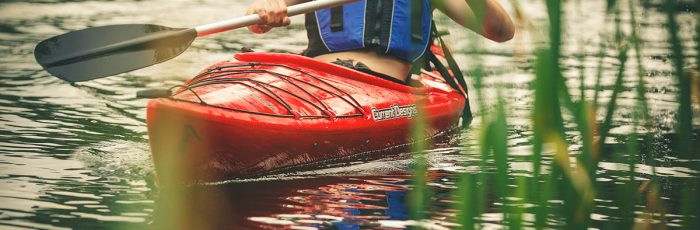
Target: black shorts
{"x": 359, "y": 66}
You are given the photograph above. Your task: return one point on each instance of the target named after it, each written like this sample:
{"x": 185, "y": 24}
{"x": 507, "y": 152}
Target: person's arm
{"x": 272, "y": 12}
{"x": 496, "y": 25}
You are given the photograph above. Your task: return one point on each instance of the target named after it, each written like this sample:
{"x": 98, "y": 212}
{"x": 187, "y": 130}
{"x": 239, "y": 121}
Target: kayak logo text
{"x": 393, "y": 112}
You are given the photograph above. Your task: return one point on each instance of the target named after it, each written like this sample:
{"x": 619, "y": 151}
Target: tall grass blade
{"x": 611, "y": 5}
{"x": 554, "y": 12}
{"x": 599, "y": 71}
{"x": 684, "y": 126}
{"x": 465, "y": 195}
{"x": 482, "y": 179}
{"x": 627, "y": 193}
{"x": 612, "y": 104}
{"x": 582, "y": 74}
{"x": 499, "y": 137}
{"x": 546, "y": 119}
{"x": 518, "y": 206}
{"x": 637, "y": 44}
{"x": 499, "y": 143}
{"x": 641, "y": 117}
{"x": 418, "y": 196}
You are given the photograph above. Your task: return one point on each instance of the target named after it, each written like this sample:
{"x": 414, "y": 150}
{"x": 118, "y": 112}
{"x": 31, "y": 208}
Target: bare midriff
{"x": 381, "y": 63}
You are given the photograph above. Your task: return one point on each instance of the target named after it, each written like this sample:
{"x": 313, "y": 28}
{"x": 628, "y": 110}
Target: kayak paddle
{"x": 108, "y": 50}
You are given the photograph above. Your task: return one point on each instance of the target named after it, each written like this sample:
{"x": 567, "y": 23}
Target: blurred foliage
{"x": 572, "y": 178}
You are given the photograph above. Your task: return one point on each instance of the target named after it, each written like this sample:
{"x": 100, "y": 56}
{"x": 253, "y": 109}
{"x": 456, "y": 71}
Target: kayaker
{"x": 381, "y": 37}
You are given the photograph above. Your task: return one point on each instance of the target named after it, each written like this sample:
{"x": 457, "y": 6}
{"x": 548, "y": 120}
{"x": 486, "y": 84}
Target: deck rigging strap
{"x": 223, "y": 75}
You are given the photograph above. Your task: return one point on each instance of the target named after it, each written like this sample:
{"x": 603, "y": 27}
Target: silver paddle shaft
{"x": 254, "y": 19}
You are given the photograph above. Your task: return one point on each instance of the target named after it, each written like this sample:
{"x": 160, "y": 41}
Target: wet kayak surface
{"x": 78, "y": 155}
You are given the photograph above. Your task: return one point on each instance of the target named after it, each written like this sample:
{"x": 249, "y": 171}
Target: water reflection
{"x": 319, "y": 202}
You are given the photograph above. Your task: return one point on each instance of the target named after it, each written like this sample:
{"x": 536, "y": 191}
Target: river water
{"x": 77, "y": 156}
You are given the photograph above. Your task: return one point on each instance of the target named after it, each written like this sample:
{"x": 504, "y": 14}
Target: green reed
{"x": 622, "y": 49}
{"x": 470, "y": 196}
{"x": 642, "y": 105}
{"x": 599, "y": 70}
{"x": 684, "y": 110}
{"x": 690, "y": 197}
{"x": 684, "y": 125}
{"x": 641, "y": 116}
{"x": 419, "y": 196}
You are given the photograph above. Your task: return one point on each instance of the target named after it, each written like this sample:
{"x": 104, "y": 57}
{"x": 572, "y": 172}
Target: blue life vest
{"x": 400, "y": 28}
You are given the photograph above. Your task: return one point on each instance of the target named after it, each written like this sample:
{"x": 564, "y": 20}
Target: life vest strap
{"x": 337, "y": 19}
{"x": 416, "y": 14}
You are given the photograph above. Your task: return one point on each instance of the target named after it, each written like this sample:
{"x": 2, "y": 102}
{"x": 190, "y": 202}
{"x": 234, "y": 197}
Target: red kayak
{"x": 270, "y": 112}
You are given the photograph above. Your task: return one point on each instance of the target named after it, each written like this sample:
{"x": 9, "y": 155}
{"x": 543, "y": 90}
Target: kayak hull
{"x": 280, "y": 111}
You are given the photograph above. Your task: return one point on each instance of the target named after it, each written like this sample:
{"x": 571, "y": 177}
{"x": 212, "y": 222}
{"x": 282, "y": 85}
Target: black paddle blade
{"x": 108, "y": 50}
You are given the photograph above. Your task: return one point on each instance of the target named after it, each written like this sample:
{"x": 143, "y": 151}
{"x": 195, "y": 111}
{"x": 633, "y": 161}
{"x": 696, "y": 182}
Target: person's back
{"x": 382, "y": 37}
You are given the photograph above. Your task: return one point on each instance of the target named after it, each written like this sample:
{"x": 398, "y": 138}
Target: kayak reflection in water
{"x": 382, "y": 37}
